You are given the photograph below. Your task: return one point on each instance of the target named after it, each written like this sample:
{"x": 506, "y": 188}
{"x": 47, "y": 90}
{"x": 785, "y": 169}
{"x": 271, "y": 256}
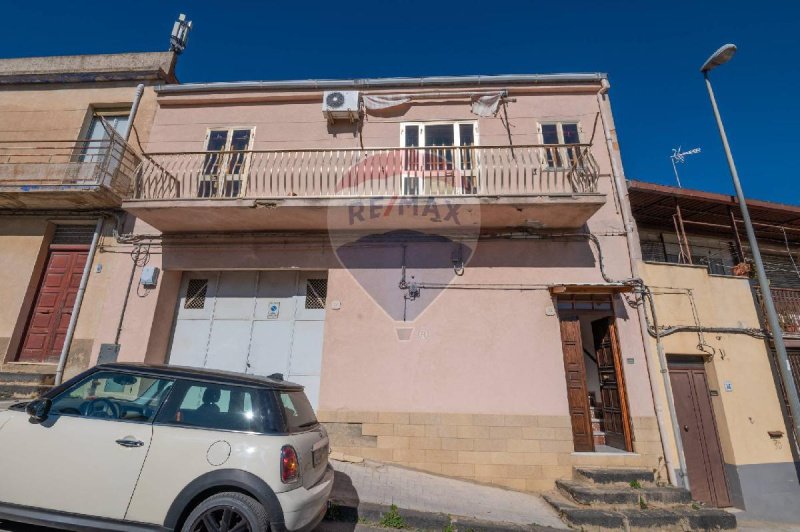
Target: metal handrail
{"x": 109, "y": 162}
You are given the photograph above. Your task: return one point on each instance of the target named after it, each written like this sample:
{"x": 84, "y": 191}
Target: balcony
{"x": 553, "y": 186}
{"x": 787, "y": 304}
{"x": 66, "y": 174}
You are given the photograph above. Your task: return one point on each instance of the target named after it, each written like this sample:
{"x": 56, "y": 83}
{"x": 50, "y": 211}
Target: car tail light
{"x": 290, "y": 465}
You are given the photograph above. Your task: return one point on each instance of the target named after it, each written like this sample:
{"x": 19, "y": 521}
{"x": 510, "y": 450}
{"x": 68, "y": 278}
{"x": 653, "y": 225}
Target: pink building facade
{"x": 441, "y": 262}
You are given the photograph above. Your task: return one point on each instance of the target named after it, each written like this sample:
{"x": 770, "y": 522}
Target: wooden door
{"x": 55, "y": 298}
{"x": 577, "y": 395}
{"x": 698, "y": 431}
{"x": 612, "y": 384}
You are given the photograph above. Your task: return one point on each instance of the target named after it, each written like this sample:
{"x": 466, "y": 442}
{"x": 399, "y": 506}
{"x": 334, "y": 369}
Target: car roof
{"x": 213, "y": 375}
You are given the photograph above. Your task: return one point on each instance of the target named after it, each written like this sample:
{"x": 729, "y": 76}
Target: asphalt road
{"x": 7, "y": 526}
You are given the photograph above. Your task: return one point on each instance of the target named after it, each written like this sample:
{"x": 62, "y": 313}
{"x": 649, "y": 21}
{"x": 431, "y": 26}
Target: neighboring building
{"x": 443, "y": 265}
{"x": 64, "y": 164}
{"x": 739, "y": 447}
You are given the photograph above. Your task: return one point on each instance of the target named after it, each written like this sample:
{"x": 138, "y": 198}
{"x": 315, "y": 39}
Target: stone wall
{"x": 519, "y": 452}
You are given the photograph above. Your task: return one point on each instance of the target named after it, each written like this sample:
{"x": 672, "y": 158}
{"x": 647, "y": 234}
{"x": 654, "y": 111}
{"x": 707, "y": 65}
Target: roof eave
{"x": 382, "y": 83}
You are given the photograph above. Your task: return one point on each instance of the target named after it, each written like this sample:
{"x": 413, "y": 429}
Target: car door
{"x": 86, "y": 456}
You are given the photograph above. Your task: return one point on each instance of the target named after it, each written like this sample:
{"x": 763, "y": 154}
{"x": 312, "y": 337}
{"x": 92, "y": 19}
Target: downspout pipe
{"x": 662, "y": 360}
{"x": 76, "y": 307}
{"x": 137, "y": 97}
{"x": 633, "y": 253}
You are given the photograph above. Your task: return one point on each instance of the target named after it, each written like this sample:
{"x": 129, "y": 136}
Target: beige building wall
{"x": 61, "y": 111}
{"x": 758, "y": 468}
{"x": 24, "y": 242}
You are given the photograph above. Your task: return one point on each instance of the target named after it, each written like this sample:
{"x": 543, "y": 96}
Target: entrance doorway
{"x": 699, "y": 435}
{"x": 593, "y": 369}
{"x": 46, "y": 327}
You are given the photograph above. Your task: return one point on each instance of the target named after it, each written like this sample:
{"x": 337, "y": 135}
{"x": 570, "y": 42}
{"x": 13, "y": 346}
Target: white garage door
{"x": 260, "y": 322}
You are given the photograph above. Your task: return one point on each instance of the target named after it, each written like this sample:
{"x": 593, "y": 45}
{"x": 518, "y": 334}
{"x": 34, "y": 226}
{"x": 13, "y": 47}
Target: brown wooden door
{"x": 698, "y": 431}
{"x": 47, "y": 326}
{"x": 612, "y": 384}
{"x": 575, "y": 372}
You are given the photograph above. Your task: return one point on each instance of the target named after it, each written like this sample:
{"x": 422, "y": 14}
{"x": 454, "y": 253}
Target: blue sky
{"x": 652, "y": 52}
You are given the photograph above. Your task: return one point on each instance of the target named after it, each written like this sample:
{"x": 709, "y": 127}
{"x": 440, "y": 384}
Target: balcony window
{"x": 444, "y": 160}
{"x": 561, "y": 133}
{"x": 225, "y": 164}
{"x": 96, "y": 142}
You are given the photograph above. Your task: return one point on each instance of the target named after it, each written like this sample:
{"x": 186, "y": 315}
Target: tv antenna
{"x": 679, "y": 156}
{"x": 180, "y": 34}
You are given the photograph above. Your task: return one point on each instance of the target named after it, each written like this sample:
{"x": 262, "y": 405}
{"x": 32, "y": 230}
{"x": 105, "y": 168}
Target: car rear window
{"x": 220, "y": 407}
{"x": 297, "y": 410}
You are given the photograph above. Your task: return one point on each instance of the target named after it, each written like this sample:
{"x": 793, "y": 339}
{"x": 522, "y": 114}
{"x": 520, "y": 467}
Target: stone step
{"x": 22, "y": 391}
{"x": 670, "y": 519}
{"x": 14, "y": 377}
{"x": 608, "y": 475}
{"x": 590, "y": 494}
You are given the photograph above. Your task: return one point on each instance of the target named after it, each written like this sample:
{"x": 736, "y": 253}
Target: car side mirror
{"x": 39, "y": 409}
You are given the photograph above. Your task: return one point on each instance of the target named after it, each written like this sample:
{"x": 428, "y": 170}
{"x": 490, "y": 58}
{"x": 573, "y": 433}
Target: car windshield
{"x": 113, "y": 395}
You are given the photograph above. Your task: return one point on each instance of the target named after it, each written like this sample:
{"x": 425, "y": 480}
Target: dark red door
{"x": 612, "y": 384}
{"x": 47, "y": 326}
{"x": 701, "y": 445}
{"x": 577, "y": 395}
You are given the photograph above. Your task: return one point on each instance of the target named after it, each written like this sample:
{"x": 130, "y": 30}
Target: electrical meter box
{"x": 149, "y": 277}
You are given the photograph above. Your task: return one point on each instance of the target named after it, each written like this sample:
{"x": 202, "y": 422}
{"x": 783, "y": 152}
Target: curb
{"x": 368, "y": 513}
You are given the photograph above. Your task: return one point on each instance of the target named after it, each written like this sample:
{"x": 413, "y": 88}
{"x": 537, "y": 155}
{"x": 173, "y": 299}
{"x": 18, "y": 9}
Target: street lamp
{"x": 720, "y": 57}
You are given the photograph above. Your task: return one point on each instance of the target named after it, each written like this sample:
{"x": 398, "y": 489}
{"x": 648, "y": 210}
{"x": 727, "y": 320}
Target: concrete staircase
{"x": 630, "y": 499}
{"x": 20, "y": 384}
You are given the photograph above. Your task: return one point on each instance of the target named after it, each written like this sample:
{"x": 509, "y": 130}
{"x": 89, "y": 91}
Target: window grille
{"x": 653, "y": 250}
{"x": 196, "y": 294}
{"x": 316, "y": 293}
{"x": 73, "y": 234}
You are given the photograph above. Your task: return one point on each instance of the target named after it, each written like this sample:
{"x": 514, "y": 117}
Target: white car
{"x": 138, "y": 447}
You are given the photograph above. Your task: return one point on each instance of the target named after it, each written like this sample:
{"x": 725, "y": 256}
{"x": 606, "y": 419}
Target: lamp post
{"x": 720, "y": 57}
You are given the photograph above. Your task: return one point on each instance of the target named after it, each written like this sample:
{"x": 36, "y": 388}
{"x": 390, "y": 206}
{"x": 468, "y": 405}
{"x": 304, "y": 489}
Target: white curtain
{"x": 376, "y": 102}
{"x": 487, "y": 104}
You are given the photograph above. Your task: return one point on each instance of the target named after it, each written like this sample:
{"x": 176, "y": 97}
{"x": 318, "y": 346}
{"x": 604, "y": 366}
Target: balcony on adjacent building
{"x": 538, "y": 186}
{"x": 787, "y": 304}
{"x": 66, "y": 174}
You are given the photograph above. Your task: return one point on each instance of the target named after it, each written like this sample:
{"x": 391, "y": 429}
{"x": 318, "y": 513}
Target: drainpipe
{"x": 633, "y": 253}
{"x": 76, "y": 308}
{"x": 137, "y": 97}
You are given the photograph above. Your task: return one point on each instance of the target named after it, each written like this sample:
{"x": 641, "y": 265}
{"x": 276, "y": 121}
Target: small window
{"x": 196, "y": 291}
{"x": 316, "y": 293}
{"x": 114, "y": 396}
{"x": 298, "y": 411}
{"x": 219, "y": 407}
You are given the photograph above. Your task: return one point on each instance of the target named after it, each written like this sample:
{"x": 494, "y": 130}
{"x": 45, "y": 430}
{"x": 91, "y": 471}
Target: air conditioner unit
{"x": 340, "y": 105}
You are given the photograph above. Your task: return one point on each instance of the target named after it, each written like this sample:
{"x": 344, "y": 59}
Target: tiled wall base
{"x": 519, "y": 452}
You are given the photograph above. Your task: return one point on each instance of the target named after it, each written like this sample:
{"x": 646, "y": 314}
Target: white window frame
{"x": 457, "y": 163}
{"x": 562, "y": 153}
{"x": 222, "y": 176}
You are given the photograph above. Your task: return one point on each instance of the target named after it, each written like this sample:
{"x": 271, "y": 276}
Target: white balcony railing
{"x": 433, "y": 171}
{"x": 28, "y": 164}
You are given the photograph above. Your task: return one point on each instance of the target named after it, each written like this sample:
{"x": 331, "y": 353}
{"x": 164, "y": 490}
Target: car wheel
{"x": 227, "y": 512}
